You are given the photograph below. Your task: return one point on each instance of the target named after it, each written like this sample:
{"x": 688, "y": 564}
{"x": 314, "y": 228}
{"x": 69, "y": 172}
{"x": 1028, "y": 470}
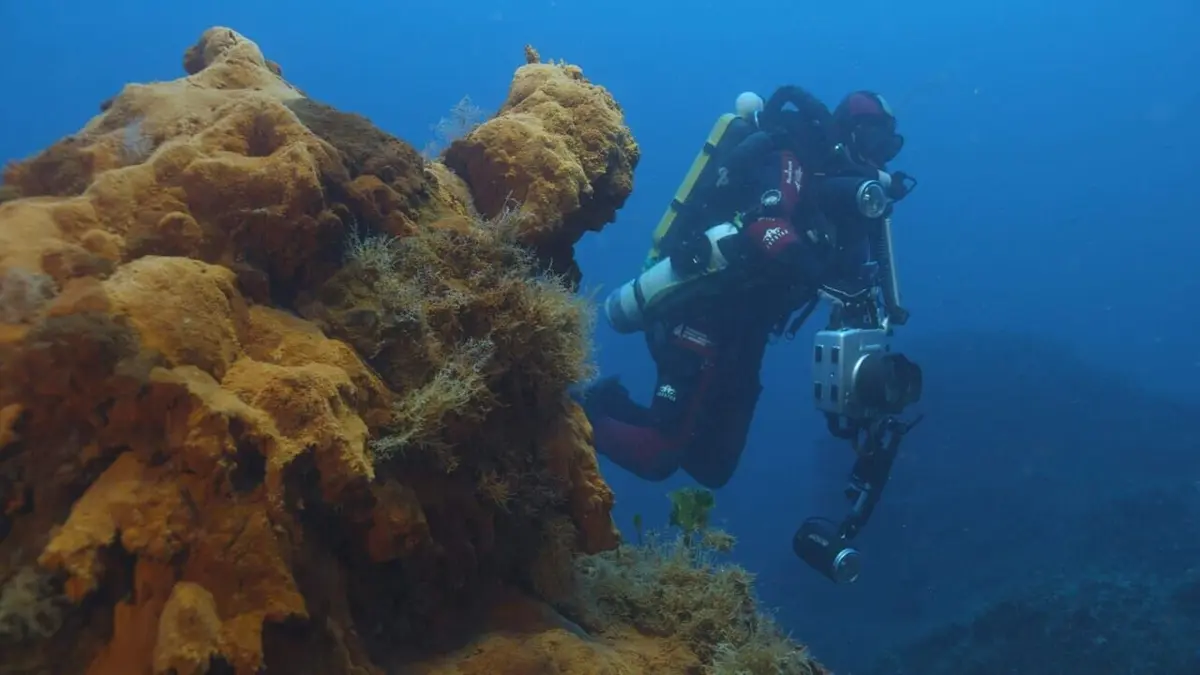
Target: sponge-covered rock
{"x": 559, "y": 149}
{"x": 193, "y": 475}
{"x": 273, "y": 397}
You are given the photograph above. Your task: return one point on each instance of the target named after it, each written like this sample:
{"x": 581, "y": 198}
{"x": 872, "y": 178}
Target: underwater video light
{"x": 819, "y": 546}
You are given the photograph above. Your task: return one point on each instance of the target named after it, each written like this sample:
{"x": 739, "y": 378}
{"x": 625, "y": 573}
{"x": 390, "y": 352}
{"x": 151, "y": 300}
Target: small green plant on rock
{"x": 672, "y": 585}
{"x": 690, "y": 507}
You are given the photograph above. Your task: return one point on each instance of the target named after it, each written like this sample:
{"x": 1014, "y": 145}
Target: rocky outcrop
{"x": 567, "y": 157}
{"x": 275, "y": 397}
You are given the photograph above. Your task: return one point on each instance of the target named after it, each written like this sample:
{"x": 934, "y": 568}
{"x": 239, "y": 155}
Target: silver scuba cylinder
{"x": 628, "y": 307}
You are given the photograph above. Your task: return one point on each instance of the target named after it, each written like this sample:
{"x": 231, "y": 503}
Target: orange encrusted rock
{"x": 192, "y": 474}
{"x": 274, "y": 398}
{"x": 559, "y": 150}
{"x": 189, "y": 631}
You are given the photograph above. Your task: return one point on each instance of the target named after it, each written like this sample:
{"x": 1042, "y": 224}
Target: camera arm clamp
{"x": 876, "y": 443}
{"x": 826, "y": 546}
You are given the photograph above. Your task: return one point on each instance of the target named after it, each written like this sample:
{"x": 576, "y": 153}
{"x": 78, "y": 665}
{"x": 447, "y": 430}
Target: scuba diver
{"x": 786, "y": 204}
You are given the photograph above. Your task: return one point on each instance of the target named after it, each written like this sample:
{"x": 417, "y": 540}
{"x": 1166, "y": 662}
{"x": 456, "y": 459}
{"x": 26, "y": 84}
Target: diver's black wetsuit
{"x": 709, "y": 352}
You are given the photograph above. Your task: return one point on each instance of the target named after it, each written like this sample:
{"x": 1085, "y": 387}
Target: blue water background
{"x": 1048, "y": 256}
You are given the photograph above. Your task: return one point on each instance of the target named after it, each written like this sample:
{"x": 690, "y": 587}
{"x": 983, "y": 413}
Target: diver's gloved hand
{"x": 771, "y": 239}
{"x": 775, "y": 250}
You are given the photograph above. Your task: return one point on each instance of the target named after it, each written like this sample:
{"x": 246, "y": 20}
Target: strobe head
{"x": 887, "y": 382}
{"x": 820, "y": 547}
{"x": 853, "y": 196}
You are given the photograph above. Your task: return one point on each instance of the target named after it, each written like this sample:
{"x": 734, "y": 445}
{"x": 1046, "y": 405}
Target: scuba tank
{"x": 663, "y": 285}
{"x": 673, "y": 277}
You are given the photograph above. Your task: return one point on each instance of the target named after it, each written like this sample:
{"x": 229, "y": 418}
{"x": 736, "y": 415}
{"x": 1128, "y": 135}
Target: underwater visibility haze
{"x": 543, "y": 336}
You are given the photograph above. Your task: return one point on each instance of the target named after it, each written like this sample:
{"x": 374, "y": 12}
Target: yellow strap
{"x": 684, "y": 192}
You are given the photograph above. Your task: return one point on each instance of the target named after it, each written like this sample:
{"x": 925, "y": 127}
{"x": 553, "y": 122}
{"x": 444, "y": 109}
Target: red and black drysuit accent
{"x": 709, "y": 355}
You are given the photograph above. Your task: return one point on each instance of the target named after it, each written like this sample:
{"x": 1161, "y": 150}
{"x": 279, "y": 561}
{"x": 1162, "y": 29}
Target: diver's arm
{"x": 803, "y": 129}
{"x": 771, "y": 249}
{"x": 749, "y": 153}
{"x": 774, "y": 245}
{"x": 810, "y": 107}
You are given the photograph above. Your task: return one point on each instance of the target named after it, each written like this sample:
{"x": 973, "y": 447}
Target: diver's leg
{"x": 721, "y": 435}
{"x": 649, "y": 442}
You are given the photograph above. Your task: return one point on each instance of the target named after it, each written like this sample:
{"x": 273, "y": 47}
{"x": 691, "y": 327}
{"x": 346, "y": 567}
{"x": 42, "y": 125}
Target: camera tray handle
{"x": 876, "y": 443}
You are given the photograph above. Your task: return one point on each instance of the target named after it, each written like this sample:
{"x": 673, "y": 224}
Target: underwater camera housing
{"x": 856, "y": 375}
{"x": 862, "y": 386}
